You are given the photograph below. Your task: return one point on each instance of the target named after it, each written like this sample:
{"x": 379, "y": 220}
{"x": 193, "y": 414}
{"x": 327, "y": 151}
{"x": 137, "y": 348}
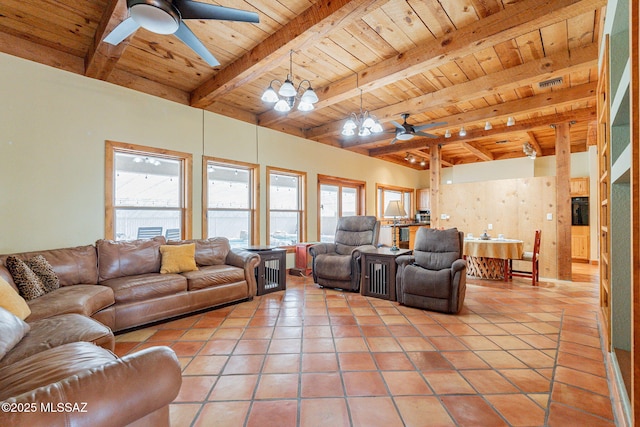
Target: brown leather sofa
{"x": 120, "y": 284}
{"x": 60, "y": 371}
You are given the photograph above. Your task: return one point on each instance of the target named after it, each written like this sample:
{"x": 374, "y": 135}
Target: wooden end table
{"x": 379, "y": 272}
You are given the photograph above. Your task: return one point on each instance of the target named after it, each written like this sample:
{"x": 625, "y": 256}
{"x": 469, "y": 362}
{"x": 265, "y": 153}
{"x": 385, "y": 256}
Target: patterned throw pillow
{"x": 39, "y": 265}
{"x": 28, "y": 282}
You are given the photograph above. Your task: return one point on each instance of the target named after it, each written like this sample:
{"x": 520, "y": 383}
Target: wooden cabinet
{"x": 579, "y": 187}
{"x": 580, "y": 243}
{"x": 423, "y": 199}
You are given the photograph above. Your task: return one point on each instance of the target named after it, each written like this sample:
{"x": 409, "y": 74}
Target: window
{"x": 148, "y": 192}
{"x": 386, "y": 193}
{"x": 285, "y": 207}
{"x": 230, "y": 201}
{"x": 338, "y": 197}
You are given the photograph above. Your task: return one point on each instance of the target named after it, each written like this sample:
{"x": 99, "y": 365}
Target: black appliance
{"x": 579, "y": 211}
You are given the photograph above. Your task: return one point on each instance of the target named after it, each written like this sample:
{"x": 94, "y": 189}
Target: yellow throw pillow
{"x": 178, "y": 258}
{"x": 11, "y": 300}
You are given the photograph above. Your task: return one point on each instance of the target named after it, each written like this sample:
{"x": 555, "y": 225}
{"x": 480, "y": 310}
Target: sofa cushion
{"x": 28, "y": 282}
{"x": 50, "y": 366}
{"x": 178, "y": 258}
{"x": 39, "y": 265}
{"x": 144, "y": 287}
{"x": 420, "y": 281}
{"x": 58, "y": 330}
{"x": 128, "y": 258}
{"x": 213, "y": 275}
{"x": 12, "y": 329}
{"x": 81, "y": 299}
{"x": 334, "y": 266}
{"x": 212, "y": 251}
{"x": 11, "y": 300}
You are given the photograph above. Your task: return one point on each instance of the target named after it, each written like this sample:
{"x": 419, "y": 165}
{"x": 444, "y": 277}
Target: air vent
{"x": 551, "y": 82}
{"x": 503, "y": 141}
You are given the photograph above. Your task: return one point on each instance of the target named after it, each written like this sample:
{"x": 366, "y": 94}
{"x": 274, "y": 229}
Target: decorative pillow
{"x": 12, "y": 301}
{"x": 12, "y": 330}
{"x": 39, "y": 265}
{"x": 178, "y": 258}
{"x": 28, "y": 282}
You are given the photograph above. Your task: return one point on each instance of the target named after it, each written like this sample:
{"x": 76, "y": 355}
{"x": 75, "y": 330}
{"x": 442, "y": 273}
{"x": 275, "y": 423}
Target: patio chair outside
{"x": 149, "y": 232}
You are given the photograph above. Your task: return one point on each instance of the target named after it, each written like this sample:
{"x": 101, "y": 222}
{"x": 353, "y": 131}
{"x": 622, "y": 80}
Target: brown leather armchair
{"x": 337, "y": 265}
{"x": 435, "y": 276}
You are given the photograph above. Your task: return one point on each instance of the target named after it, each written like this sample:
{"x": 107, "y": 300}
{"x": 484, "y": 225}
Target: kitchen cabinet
{"x": 580, "y": 243}
{"x": 423, "y": 199}
{"x": 579, "y": 187}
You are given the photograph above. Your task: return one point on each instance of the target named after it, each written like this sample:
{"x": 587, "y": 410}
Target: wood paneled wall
{"x": 515, "y": 208}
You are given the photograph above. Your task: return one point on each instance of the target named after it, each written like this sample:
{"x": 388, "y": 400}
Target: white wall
{"x": 53, "y": 127}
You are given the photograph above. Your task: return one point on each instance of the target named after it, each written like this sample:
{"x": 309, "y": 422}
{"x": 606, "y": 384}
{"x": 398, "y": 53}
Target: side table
{"x": 271, "y": 272}
{"x": 379, "y": 272}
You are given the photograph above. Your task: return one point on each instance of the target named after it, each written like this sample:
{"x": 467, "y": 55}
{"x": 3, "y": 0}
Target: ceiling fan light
{"x": 309, "y": 96}
{"x": 462, "y": 132}
{"x": 155, "y": 19}
{"x": 305, "y": 106}
{"x": 270, "y": 95}
{"x": 511, "y": 121}
{"x": 282, "y": 106}
{"x": 287, "y": 89}
{"x": 488, "y": 126}
{"x": 377, "y": 128}
{"x": 404, "y": 136}
{"x": 447, "y": 134}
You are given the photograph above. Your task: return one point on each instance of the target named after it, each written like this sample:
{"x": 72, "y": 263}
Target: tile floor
{"x": 516, "y": 355}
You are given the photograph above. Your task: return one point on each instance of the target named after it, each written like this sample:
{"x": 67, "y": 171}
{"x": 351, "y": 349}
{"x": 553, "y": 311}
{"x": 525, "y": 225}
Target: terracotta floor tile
{"x": 183, "y": 414}
{"x": 317, "y": 331}
{"x": 393, "y": 361}
{"x": 527, "y": 380}
{"x": 583, "y": 380}
{"x": 461, "y": 329}
{"x": 208, "y": 322}
{"x": 234, "y": 387}
{"x": 350, "y": 344}
{"x": 500, "y": 359}
{"x": 581, "y": 350}
{"x": 277, "y": 386}
{"x": 327, "y": 384}
{"x": 235, "y": 414}
{"x": 187, "y": 348}
{"x": 282, "y": 332}
{"x": 184, "y": 323}
{"x": 488, "y": 381}
{"x": 346, "y": 331}
{"x": 464, "y": 360}
{"x": 592, "y": 403}
{"x": 320, "y": 362}
{"x": 489, "y": 329}
{"x": 195, "y": 389}
{"x": 375, "y": 331}
{"x": 415, "y": 344}
{"x": 447, "y": 343}
{"x": 472, "y": 411}
{"x": 136, "y": 336}
{"x": 356, "y": 362}
{"x": 368, "y": 383}
{"x": 369, "y": 320}
{"x": 258, "y": 333}
{"x": 432, "y": 330}
{"x": 246, "y": 346}
{"x": 205, "y": 365}
{"x": 218, "y": 347}
{"x": 478, "y": 343}
{"x": 583, "y": 339}
{"x": 122, "y": 348}
{"x": 534, "y": 358}
{"x": 167, "y": 335}
{"x": 197, "y": 334}
{"x": 276, "y": 413}
{"x": 518, "y": 409}
{"x": 561, "y": 416}
{"x": 404, "y": 330}
{"x": 383, "y": 344}
{"x": 281, "y": 363}
{"x": 228, "y": 333}
{"x": 413, "y": 410}
{"x": 373, "y": 411}
{"x": 343, "y": 320}
{"x": 290, "y": 345}
{"x": 244, "y": 364}
{"x": 448, "y": 382}
{"x": 401, "y": 383}
{"x": 316, "y": 321}
{"x": 428, "y": 360}
{"x": 509, "y": 342}
{"x": 583, "y": 364}
{"x": 324, "y": 412}
{"x": 317, "y": 345}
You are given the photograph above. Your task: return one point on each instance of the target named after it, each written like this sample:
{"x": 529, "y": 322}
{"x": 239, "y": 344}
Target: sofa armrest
{"x": 248, "y": 261}
{"x": 117, "y": 393}
{"x": 357, "y": 252}
{"x": 404, "y": 260}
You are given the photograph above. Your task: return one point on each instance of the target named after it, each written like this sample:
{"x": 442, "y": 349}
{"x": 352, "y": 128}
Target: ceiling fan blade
{"x": 428, "y": 135}
{"x": 393, "y": 141}
{"x": 428, "y": 125}
{"x": 190, "y": 39}
{"x": 398, "y": 125}
{"x": 196, "y": 10}
{"x": 122, "y": 31}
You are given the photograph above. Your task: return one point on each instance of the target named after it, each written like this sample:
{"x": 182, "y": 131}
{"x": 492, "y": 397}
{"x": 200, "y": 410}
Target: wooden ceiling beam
{"x": 496, "y": 132}
{"x": 534, "y": 142}
{"x": 519, "y": 18}
{"x": 305, "y": 29}
{"x": 101, "y": 58}
{"x": 477, "y": 151}
{"x": 556, "y": 65}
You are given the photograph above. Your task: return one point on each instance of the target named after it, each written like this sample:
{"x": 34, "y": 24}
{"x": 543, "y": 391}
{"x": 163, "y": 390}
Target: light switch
{"x": 490, "y": 227}
{"x": 549, "y": 217}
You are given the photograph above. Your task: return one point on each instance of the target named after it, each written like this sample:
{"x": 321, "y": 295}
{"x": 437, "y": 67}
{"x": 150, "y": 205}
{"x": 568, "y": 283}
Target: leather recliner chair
{"x": 435, "y": 276}
{"x": 337, "y": 265}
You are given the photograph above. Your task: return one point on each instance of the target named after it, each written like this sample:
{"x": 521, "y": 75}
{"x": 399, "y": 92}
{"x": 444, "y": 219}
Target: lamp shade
{"x": 270, "y": 95}
{"x": 309, "y": 96}
{"x": 395, "y": 208}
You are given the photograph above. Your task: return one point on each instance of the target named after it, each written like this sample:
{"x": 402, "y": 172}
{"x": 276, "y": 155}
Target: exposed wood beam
{"x": 306, "y": 28}
{"x": 102, "y": 57}
{"x": 534, "y": 142}
{"x": 518, "y": 19}
{"x": 496, "y": 132}
{"x": 559, "y": 64}
{"x": 26, "y": 49}
{"x": 478, "y": 151}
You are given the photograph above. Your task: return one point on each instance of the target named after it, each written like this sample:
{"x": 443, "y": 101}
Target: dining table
{"x": 489, "y": 258}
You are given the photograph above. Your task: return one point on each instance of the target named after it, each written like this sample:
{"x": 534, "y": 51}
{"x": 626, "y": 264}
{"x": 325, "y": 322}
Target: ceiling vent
{"x": 502, "y": 141}
{"x": 551, "y": 82}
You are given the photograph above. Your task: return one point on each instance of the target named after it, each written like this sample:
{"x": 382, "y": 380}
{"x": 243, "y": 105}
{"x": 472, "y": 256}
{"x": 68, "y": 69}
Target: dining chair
{"x": 532, "y": 257}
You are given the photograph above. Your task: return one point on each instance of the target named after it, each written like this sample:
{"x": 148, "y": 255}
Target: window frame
{"x": 302, "y": 204}
{"x": 381, "y": 205}
{"x": 254, "y": 211}
{"x": 186, "y": 187}
{"x": 360, "y": 186}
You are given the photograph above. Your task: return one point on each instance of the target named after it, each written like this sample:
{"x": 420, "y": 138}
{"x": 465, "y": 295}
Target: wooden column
{"x": 435, "y": 166}
{"x": 563, "y": 200}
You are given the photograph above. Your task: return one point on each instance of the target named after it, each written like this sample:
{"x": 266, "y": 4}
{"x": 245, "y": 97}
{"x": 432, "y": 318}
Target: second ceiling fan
{"x": 166, "y": 17}
{"x": 405, "y": 131}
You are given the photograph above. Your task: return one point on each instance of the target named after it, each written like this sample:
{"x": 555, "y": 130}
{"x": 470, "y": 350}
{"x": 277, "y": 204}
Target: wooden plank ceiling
{"x": 463, "y": 62}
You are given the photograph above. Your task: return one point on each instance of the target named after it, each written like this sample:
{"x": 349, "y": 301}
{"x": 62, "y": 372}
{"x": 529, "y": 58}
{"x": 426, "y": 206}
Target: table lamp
{"x": 395, "y": 209}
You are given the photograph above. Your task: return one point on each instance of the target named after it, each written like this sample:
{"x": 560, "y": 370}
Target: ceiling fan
{"x": 405, "y": 131}
{"x": 166, "y": 17}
